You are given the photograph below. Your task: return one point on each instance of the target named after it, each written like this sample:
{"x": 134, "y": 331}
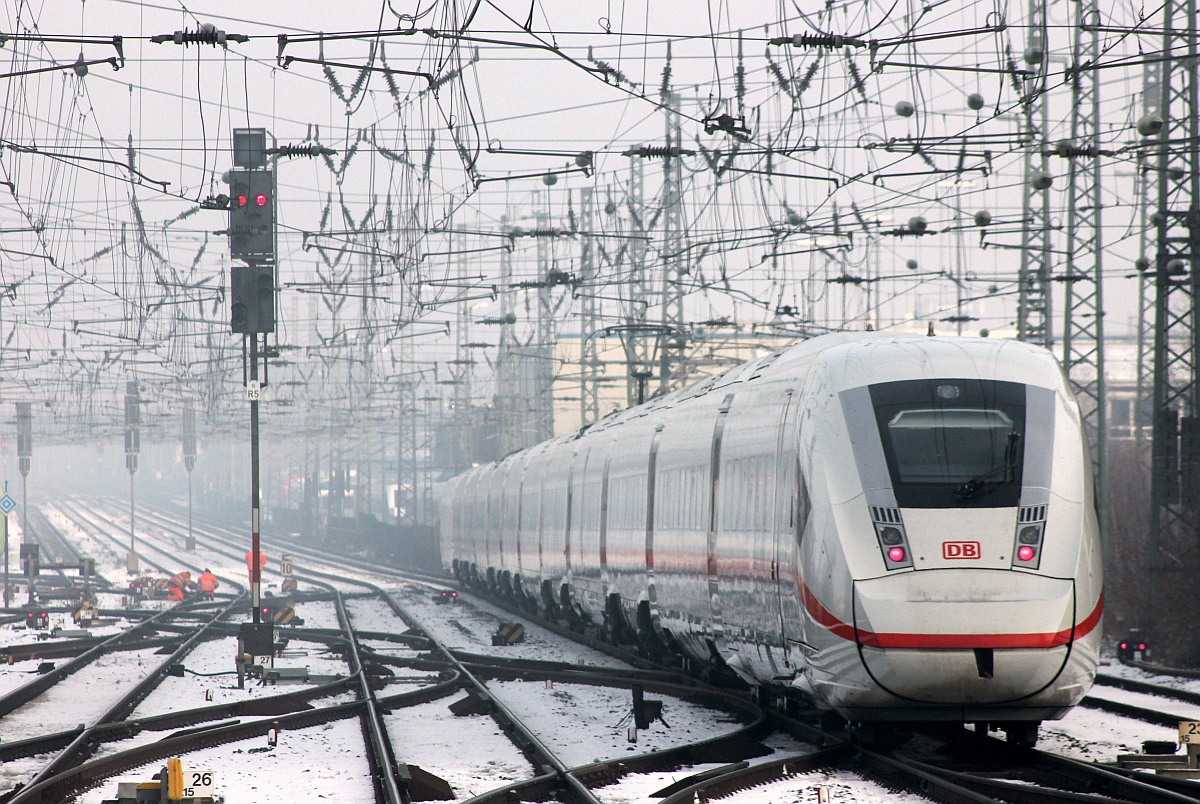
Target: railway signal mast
{"x": 29, "y": 549}
{"x": 252, "y": 299}
{"x": 1175, "y": 447}
{"x": 189, "y": 463}
{"x": 133, "y": 443}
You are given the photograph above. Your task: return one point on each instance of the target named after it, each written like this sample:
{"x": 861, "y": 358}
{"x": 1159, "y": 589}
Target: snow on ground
{"x": 580, "y": 723}
{"x": 372, "y": 614}
{"x": 1095, "y": 736}
{"x": 469, "y": 624}
{"x": 842, "y": 785}
{"x": 20, "y": 771}
{"x": 110, "y": 562}
{"x": 1186, "y": 711}
{"x": 17, "y": 634}
{"x": 637, "y": 788}
{"x": 1137, "y": 674}
{"x": 385, "y": 648}
{"x": 15, "y": 675}
{"x": 470, "y": 753}
{"x": 216, "y": 656}
{"x": 318, "y": 614}
{"x": 326, "y": 762}
{"x": 82, "y": 696}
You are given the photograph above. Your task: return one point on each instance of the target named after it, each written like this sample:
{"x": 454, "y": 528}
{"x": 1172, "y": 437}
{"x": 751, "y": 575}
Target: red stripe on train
{"x": 871, "y": 639}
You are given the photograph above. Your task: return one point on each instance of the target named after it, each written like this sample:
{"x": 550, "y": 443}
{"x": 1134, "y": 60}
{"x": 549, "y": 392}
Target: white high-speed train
{"x": 903, "y": 528}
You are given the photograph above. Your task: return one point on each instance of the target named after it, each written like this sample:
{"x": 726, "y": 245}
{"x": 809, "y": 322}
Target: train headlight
{"x": 1031, "y": 529}
{"x": 889, "y": 531}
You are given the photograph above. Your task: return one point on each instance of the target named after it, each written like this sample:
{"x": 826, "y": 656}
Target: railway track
{"x": 911, "y": 772}
{"x": 1146, "y": 703}
{"x": 990, "y": 771}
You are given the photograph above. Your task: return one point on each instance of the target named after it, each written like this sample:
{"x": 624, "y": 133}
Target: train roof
{"x": 853, "y": 359}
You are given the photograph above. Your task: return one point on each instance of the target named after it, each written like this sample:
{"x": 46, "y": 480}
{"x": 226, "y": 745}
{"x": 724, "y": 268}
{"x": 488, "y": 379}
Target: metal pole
{"x": 191, "y": 540}
{"x": 6, "y": 595}
{"x": 255, "y": 568}
{"x": 133, "y": 556}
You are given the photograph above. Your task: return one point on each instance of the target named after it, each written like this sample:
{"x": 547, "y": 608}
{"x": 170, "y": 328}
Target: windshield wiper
{"x": 1007, "y": 472}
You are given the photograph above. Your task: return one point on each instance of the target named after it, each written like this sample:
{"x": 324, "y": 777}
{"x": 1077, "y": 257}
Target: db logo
{"x": 960, "y": 550}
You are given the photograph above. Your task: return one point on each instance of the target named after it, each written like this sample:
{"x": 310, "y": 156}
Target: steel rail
{"x": 82, "y": 745}
{"x": 388, "y": 781}
{"x": 940, "y": 784}
{"x": 1161, "y": 690}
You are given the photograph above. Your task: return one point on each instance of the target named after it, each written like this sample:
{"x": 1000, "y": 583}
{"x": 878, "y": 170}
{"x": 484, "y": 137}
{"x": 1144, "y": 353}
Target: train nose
{"x": 964, "y": 636}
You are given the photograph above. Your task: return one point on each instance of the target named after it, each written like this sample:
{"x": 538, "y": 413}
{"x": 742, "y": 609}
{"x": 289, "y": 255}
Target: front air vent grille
{"x": 887, "y": 516}
{"x": 1032, "y": 513}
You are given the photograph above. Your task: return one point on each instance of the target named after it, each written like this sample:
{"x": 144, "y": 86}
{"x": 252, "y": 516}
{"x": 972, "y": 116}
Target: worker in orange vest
{"x": 262, "y": 562}
{"x": 177, "y": 584}
{"x": 206, "y": 584}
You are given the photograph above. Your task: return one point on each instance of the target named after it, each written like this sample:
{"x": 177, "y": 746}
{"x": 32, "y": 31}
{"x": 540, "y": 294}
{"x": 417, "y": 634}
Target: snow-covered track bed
{"x": 1046, "y": 776}
{"x": 100, "y": 687}
{"x": 530, "y": 698}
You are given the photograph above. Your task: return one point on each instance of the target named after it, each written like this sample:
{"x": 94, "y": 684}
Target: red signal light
{"x": 896, "y": 554}
{"x": 1141, "y": 646}
{"x": 260, "y": 199}
{"x": 1124, "y": 646}
{"x": 1026, "y": 553}
{"x": 242, "y": 200}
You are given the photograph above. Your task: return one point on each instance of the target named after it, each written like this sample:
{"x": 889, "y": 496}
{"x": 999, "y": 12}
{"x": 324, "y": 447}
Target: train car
{"x": 901, "y": 528}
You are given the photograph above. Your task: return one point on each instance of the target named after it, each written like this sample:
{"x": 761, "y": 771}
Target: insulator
{"x": 657, "y": 150}
{"x": 817, "y": 40}
{"x": 205, "y": 36}
{"x": 310, "y": 150}
{"x": 1068, "y": 150}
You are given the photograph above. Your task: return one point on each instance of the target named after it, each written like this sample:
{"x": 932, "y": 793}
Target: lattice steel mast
{"x": 1033, "y": 306}
{"x": 1083, "y": 308}
{"x": 589, "y": 357}
{"x": 1175, "y": 476}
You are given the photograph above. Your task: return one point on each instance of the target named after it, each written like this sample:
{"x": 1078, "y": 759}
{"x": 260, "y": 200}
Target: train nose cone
{"x": 964, "y": 636}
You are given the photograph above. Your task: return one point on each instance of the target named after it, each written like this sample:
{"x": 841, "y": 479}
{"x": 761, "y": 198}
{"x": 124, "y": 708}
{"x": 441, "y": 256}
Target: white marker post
{"x": 1189, "y": 736}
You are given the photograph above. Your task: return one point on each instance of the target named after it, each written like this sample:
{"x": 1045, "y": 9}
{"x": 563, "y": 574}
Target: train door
{"x": 714, "y": 590}
{"x": 651, "y": 480}
{"x": 782, "y": 514}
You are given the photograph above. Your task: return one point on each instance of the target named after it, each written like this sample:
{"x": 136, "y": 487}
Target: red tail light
{"x": 1026, "y": 553}
{"x": 896, "y": 554}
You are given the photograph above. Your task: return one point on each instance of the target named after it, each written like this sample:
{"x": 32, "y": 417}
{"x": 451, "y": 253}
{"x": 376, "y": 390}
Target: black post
{"x": 255, "y": 550}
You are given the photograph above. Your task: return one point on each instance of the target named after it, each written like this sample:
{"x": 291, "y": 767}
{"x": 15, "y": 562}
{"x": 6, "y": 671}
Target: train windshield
{"x": 952, "y": 443}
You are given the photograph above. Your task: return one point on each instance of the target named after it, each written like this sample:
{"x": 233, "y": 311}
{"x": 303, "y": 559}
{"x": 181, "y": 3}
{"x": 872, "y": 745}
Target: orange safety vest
{"x": 207, "y": 582}
{"x": 174, "y": 592}
{"x": 262, "y": 560}
{"x": 181, "y": 580}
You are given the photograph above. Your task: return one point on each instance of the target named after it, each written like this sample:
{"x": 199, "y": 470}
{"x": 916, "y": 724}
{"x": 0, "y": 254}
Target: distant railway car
{"x": 902, "y": 528}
